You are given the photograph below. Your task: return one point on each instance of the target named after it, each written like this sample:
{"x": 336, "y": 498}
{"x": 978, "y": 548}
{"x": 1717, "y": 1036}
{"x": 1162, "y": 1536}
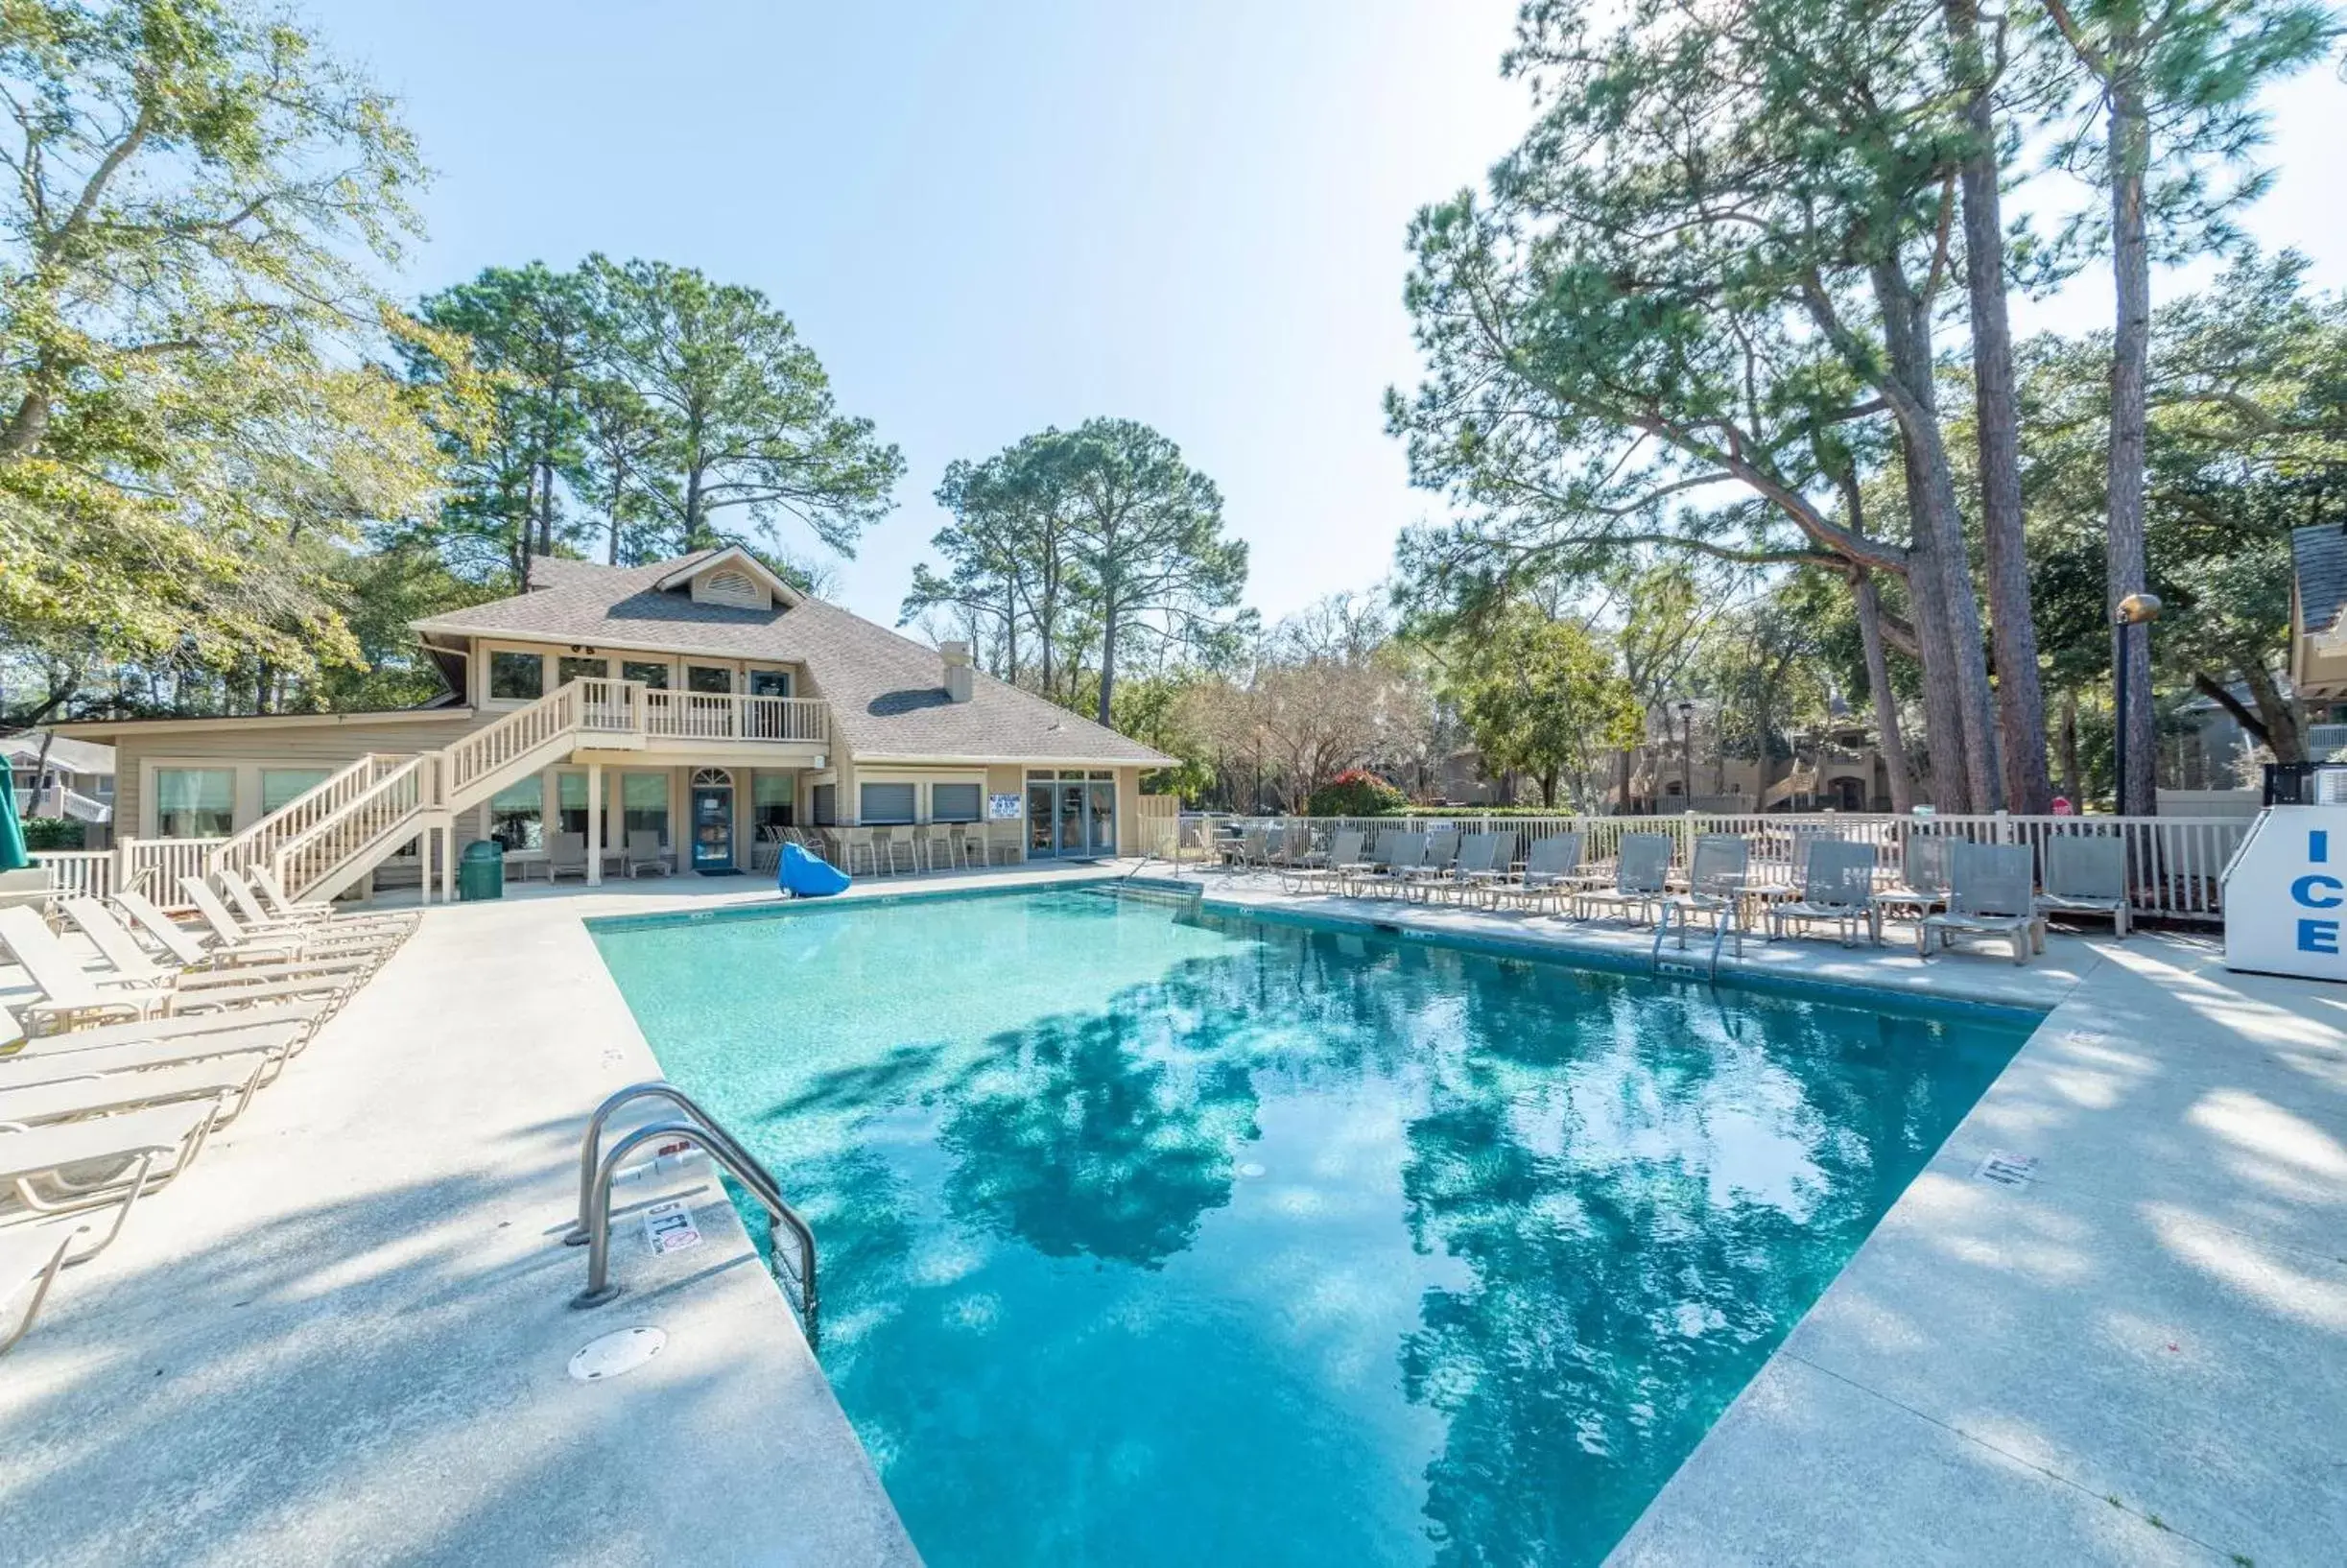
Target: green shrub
{"x": 1356, "y": 792}
{"x": 52, "y": 832}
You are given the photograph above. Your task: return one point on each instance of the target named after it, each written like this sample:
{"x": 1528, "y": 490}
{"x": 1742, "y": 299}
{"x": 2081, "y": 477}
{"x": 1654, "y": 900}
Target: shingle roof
{"x": 2319, "y": 555}
{"x": 886, "y": 693}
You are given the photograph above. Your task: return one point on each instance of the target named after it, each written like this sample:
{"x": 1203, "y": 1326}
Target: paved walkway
{"x": 343, "y": 1337}
{"x": 2138, "y": 1356}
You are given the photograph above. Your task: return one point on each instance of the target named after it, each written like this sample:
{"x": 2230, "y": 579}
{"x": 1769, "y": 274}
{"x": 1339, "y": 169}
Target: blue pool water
{"x": 1153, "y": 1237}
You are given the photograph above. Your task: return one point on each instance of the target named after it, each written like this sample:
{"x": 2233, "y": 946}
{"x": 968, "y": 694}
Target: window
{"x": 195, "y": 802}
{"x": 516, "y": 677}
{"x": 708, "y": 677}
{"x": 644, "y": 804}
{"x": 953, "y": 802}
{"x": 770, "y": 682}
{"x": 571, "y": 668}
{"x": 571, "y": 806}
{"x": 280, "y": 786}
{"x": 517, "y": 816}
{"x": 886, "y": 803}
{"x": 772, "y": 799}
{"x": 653, "y": 675}
{"x": 826, "y": 804}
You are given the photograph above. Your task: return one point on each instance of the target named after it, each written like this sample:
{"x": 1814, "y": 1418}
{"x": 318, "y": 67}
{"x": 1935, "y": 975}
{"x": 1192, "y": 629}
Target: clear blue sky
{"x": 991, "y": 218}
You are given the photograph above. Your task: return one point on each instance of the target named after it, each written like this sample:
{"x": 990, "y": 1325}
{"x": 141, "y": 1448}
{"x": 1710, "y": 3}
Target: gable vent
{"x": 731, "y": 586}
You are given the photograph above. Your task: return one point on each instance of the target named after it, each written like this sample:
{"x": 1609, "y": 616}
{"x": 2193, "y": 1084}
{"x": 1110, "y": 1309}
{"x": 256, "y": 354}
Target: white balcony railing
{"x": 731, "y": 716}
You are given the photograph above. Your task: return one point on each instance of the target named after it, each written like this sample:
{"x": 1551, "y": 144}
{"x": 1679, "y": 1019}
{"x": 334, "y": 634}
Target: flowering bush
{"x": 1356, "y": 792}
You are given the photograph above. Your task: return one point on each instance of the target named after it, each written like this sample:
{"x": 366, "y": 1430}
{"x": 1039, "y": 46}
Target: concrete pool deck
{"x": 342, "y": 1338}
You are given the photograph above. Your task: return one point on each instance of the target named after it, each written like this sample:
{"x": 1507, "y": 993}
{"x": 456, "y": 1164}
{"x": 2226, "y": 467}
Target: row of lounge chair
{"x": 113, "y": 1076}
{"x": 1951, "y": 888}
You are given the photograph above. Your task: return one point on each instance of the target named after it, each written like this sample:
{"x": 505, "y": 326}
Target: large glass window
{"x": 644, "y": 803}
{"x": 516, "y": 677}
{"x": 517, "y": 816}
{"x": 886, "y": 803}
{"x": 772, "y": 799}
{"x": 652, "y": 674}
{"x": 571, "y": 806}
{"x": 195, "y": 802}
{"x": 567, "y": 670}
{"x": 280, "y": 786}
{"x": 770, "y": 682}
{"x": 708, "y": 677}
{"x": 954, "y": 802}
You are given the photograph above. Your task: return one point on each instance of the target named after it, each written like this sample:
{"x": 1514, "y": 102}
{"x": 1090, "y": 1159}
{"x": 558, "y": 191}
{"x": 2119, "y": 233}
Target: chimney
{"x": 957, "y": 655}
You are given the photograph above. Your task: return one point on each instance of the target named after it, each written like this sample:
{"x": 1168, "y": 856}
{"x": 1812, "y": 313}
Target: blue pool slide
{"x": 808, "y": 877}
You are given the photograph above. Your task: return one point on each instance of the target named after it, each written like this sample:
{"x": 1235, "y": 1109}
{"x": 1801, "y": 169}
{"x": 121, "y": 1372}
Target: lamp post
{"x": 2134, "y": 611}
{"x": 1686, "y": 754}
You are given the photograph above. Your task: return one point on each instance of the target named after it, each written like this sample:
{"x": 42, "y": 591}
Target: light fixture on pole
{"x": 2134, "y": 611}
{"x": 1687, "y": 753}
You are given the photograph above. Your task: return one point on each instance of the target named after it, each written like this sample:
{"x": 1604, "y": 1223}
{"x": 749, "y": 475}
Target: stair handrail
{"x": 256, "y": 843}
{"x": 425, "y": 766}
{"x": 523, "y": 730}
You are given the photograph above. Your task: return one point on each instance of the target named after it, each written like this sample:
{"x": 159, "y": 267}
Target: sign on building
{"x": 1004, "y": 808}
{"x": 2286, "y": 895}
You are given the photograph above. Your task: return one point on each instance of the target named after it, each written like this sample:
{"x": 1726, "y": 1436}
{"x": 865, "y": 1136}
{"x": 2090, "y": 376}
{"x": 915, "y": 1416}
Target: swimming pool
{"x": 1160, "y": 1236}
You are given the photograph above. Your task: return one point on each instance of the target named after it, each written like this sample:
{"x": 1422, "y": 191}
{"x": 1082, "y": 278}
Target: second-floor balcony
{"x": 628, "y": 713}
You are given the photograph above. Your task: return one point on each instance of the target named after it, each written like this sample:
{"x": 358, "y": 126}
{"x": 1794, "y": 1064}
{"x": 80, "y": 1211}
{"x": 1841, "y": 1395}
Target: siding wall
{"x": 251, "y": 748}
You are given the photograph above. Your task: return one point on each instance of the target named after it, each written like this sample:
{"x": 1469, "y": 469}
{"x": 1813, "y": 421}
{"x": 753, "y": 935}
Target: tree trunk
{"x": 1621, "y": 779}
{"x": 1548, "y": 789}
{"x": 1108, "y": 663}
{"x": 1892, "y": 744}
{"x": 2130, "y": 155}
{"x": 2020, "y": 705}
{"x": 2073, "y": 787}
{"x": 2285, "y": 737}
{"x": 1939, "y": 537}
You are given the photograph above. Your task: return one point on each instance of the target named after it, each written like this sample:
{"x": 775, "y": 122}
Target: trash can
{"x": 481, "y": 871}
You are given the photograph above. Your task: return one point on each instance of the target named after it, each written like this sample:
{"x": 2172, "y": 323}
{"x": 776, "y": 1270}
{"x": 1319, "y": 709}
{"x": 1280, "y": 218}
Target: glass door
{"x": 1071, "y": 819}
{"x": 1042, "y": 840}
{"x": 1101, "y": 803}
{"x": 713, "y": 822}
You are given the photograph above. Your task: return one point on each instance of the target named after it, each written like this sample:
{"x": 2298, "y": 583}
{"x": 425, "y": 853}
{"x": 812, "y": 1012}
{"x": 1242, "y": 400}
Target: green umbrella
{"x": 12, "y": 855}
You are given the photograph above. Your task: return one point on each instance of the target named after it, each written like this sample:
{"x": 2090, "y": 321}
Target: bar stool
{"x": 938, "y": 847}
{"x": 857, "y": 839}
{"x": 971, "y": 844}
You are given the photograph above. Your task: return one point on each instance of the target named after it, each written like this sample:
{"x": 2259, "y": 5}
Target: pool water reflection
{"x": 1153, "y": 1237}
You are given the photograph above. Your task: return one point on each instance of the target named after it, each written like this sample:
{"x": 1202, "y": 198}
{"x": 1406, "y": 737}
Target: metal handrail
{"x": 593, "y": 1226}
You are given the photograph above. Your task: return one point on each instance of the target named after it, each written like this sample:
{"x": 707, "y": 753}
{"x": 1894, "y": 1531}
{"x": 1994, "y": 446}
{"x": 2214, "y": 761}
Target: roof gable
{"x": 698, "y": 570}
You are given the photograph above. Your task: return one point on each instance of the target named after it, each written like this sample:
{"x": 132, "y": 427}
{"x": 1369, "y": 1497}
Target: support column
{"x": 448, "y": 862}
{"x": 594, "y": 834}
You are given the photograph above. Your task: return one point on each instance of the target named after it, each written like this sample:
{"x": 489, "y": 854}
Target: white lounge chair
{"x": 645, "y": 854}
{"x": 306, "y": 942}
{"x": 566, "y": 855}
{"x": 141, "y": 1150}
{"x": 31, "y": 1258}
{"x": 1553, "y": 870}
{"x": 254, "y": 911}
{"x": 1392, "y": 862}
{"x": 1715, "y": 876}
{"x": 1642, "y": 868}
{"x": 71, "y": 993}
{"x": 207, "y": 950}
{"x": 230, "y": 1080}
{"x": 1837, "y": 889}
{"x": 2087, "y": 876}
{"x": 286, "y": 1023}
{"x": 1989, "y": 893}
{"x": 1923, "y": 879}
{"x": 119, "y": 948}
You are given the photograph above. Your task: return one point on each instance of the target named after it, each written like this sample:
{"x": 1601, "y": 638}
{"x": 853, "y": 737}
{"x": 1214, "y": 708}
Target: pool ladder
{"x": 597, "y": 1168}
{"x": 1730, "y": 918}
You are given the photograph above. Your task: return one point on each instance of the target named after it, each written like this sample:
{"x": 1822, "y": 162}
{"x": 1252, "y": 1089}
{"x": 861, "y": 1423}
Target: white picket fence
{"x": 78, "y": 874}
{"x": 2176, "y": 863}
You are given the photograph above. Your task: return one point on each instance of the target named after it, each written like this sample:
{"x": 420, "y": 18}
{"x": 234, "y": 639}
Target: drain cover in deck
{"x": 615, "y": 1355}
